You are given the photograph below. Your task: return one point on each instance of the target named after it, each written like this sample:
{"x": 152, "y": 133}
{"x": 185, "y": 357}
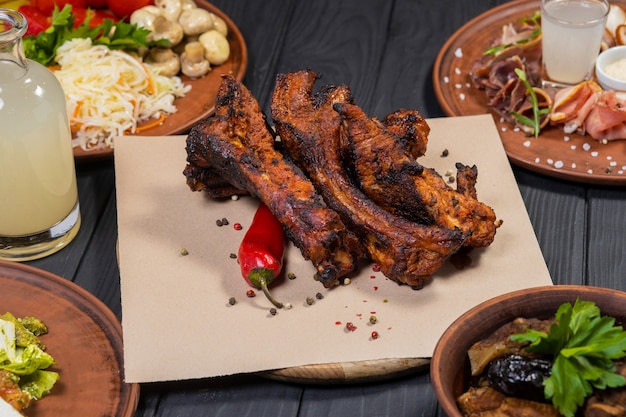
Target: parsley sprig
{"x": 584, "y": 345}
{"x": 115, "y": 35}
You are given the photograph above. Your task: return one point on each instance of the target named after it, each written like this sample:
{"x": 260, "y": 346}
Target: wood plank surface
{"x": 385, "y": 51}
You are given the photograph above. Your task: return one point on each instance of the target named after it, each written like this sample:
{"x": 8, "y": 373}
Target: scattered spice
{"x": 376, "y": 267}
{"x": 233, "y": 256}
{"x": 310, "y": 301}
{"x": 250, "y": 293}
{"x": 350, "y": 326}
{"x": 184, "y": 252}
{"x": 237, "y": 226}
{"x": 221, "y": 222}
{"x": 346, "y": 281}
{"x": 273, "y": 311}
{"x": 319, "y": 295}
{"x": 373, "y": 319}
{"x": 232, "y": 301}
{"x": 445, "y": 153}
{"x": 374, "y": 335}
{"x": 291, "y": 275}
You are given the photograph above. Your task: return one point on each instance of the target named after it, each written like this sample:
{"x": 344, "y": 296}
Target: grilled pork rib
{"x": 394, "y": 180}
{"x": 237, "y": 144}
{"x": 309, "y": 128}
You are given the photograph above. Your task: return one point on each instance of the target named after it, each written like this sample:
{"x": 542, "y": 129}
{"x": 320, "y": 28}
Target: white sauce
{"x": 617, "y": 69}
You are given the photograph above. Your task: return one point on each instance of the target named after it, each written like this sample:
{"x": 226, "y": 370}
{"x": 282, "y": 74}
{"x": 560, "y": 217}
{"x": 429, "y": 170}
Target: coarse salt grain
{"x": 586, "y": 146}
{"x": 613, "y": 163}
{"x": 550, "y": 161}
{"x": 537, "y": 160}
{"x": 462, "y": 96}
{"x": 446, "y": 79}
{"x": 458, "y": 85}
{"x": 590, "y": 171}
{"x": 594, "y": 153}
{"x": 458, "y": 53}
{"x": 573, "y": 147}
{"x": 527, "y": 144}
{"x": 573, "y": 165}
{"x": 457, "y": 71}
{"x": 558, "y": 164}
{"x": 566, "y": 138}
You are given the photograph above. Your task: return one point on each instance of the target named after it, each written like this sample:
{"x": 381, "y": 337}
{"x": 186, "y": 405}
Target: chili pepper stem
{"x": 260, "y": 278}
{"x": 269, "y": 296}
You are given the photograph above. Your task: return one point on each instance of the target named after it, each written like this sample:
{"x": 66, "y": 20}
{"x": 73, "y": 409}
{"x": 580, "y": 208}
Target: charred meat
{"x": 237, "y": 144}
{"x": 310, "y": 130}
{"x": 394, "y": 180}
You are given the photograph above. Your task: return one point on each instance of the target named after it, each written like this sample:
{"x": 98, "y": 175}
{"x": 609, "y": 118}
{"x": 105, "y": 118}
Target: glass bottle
{"x": 39, "y": 210}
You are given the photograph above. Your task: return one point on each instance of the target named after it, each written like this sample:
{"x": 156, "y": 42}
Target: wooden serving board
{"x": 350, "y": 372}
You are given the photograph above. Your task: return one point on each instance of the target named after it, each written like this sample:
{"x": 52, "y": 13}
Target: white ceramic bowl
{"x": 606, "y": 58}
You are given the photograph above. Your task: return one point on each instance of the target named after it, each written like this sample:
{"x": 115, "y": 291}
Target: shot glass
{"x": 571, "y": 37}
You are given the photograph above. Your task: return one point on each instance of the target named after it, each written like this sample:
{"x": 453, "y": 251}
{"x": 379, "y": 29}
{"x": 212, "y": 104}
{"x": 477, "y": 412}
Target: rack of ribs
{"x": 393, "y": 179}
{"x": 310, "y": 129}
{"x": 237, "y": 145}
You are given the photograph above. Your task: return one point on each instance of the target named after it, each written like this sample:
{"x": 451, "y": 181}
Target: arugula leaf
{"x": 535, "y": 122}
{"x": 534, "y": 20}
{"x": 115, "y": 35}
{"x": 584, "y": 345}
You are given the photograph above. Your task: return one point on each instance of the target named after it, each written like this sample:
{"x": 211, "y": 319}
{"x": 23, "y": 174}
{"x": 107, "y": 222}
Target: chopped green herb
{"x": 115, "y": 35}
{"x": 584, "y": 345}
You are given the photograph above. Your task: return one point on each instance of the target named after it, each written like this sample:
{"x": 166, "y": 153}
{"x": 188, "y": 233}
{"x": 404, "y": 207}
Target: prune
{"x": 519, "y": 376}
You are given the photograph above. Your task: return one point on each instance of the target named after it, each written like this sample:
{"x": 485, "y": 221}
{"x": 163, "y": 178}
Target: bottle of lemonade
{"x": 39, "y": 211}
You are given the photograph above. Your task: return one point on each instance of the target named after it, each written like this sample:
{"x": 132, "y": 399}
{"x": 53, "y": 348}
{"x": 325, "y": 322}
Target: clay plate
{"x": 572, "y": 157}
{"x": 199, "y": 102}
{"x": 449, "y": 368}
{"x": 85, "y": 338}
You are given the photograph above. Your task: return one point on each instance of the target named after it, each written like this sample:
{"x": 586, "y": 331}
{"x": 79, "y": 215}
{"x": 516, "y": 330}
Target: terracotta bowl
{"x": 449, "y": 368}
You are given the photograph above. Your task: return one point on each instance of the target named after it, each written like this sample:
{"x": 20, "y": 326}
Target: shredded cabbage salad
{"x": 109, "y": 92}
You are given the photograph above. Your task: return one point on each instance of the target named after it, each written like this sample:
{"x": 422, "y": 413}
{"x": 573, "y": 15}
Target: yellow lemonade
{"x": 37, "y": 174}
{"x": 571, "y": 36}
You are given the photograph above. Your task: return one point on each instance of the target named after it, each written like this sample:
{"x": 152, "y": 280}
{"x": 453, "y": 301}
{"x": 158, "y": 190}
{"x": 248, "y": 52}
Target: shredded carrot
{"x": 151, "y": 88}
{"x": 54, "y": 68}
{"x": 151, "y": 125}
{"x": 79, "y": 105}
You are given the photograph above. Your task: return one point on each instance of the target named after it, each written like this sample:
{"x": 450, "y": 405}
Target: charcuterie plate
{"x": 572, "y": 157}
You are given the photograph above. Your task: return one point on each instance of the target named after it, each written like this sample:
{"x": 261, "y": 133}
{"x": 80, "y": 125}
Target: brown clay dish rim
{"x": 85, "y": 338}
{"x": 449, "y": 368}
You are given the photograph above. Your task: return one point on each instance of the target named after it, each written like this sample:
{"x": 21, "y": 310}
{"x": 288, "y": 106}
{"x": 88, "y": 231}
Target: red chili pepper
{"x": 261, "y": 251}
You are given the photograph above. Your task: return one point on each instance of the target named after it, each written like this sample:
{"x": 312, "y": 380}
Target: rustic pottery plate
{"x": 85, "y": 339}
{"x": 573, "y": 157}
{"x": 449, "y": 369}
{"x": 199, "y": 102}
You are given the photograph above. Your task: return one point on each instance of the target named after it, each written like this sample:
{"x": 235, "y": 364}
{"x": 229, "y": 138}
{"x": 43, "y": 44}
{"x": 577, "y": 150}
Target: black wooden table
{"x": 384, "y": 50}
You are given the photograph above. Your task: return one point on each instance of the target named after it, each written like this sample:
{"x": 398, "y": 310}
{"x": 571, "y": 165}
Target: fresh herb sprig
{"x": 115, "y": 35}
{"x": 533, "y": 21}
{"x": 584, "y": 345}
{"x": 535, "y": 122}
